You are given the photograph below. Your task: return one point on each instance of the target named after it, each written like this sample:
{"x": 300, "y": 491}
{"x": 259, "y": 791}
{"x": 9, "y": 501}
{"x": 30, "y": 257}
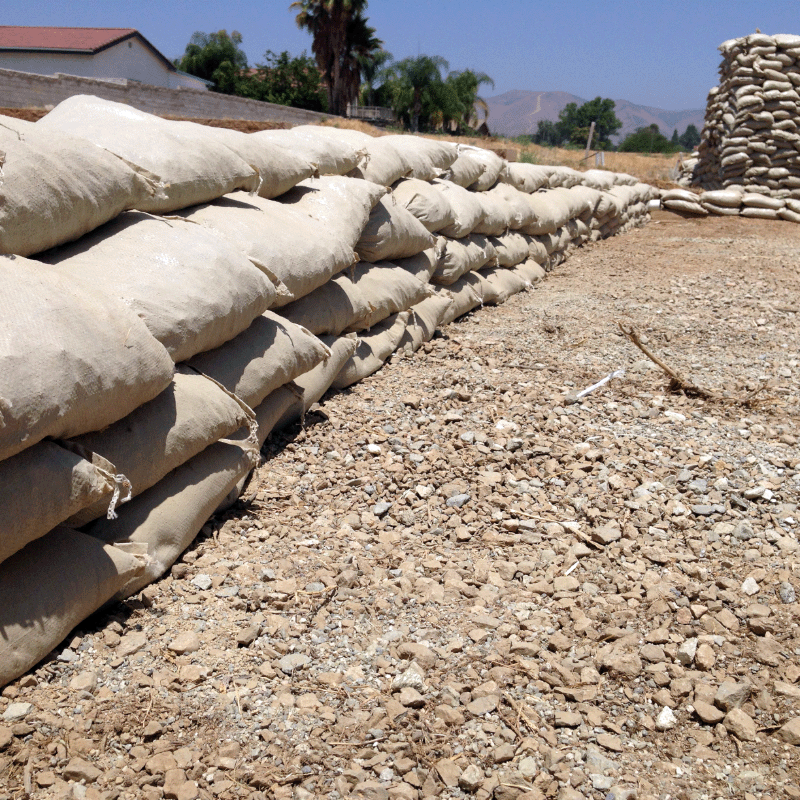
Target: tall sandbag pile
{"x": 145, "y": 359}
{"x": 751, "y": 139}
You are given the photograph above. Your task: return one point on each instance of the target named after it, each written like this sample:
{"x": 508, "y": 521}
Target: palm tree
{"x": 340, "y": 36}
{"x": 373, "y": 69}
{"x": 466, "y": 84}
{"x": 419, "y": 91}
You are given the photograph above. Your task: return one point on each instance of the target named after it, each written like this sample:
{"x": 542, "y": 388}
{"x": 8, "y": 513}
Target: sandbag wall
{"x": 171, "y": 293}
{"x": 750, "y": 142}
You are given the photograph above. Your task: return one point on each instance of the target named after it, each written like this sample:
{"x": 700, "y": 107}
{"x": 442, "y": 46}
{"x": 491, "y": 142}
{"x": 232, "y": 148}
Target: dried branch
{"x": 678, "y": 383}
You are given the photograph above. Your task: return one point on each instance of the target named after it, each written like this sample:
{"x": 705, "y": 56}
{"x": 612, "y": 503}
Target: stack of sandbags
{"x": 173, "y": 345}
{"x": 751, "y": 137}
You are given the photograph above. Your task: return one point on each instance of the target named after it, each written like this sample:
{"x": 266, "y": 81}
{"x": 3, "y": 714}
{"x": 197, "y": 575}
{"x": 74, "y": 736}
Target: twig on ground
{"x": 678, "y": 383}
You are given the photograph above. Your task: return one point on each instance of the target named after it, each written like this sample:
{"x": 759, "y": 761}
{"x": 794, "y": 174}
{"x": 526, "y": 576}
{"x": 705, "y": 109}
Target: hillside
{"x": 517, "y": 112}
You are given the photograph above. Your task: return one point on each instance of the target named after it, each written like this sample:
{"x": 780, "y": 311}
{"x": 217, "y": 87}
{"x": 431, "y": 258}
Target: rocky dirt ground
{"x": 458, "y": 582}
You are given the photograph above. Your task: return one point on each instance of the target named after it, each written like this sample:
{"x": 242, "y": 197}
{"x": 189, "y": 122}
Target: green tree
{"x": 465, "y": 85}
{"x": 215, "y": 57}
{"x": 574, "y": 123}
{"x": 690, "y": 138}
{"x": 675, "y": 141}
{"x": 373, "y": 71}
{"x": 547, "y": 134}
{"x": 340, "y": 38}
{"x": 287, "y": 81}
{"x": 418, "y": 91}
{"x": 647, "y": 140}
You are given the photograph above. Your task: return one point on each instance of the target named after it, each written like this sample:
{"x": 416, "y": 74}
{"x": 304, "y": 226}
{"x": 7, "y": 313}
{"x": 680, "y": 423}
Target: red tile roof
{"x": 14, "y": 37}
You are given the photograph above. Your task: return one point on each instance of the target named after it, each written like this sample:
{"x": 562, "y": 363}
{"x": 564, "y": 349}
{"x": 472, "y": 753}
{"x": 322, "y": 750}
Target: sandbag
{"x": 170, "y": 514}
{"x": 191, "y": 165}
{"x": 426, "y": 203}
{"x": 506, "y": 282}
{"x": 278, "y": 169}
{"x": 193, "y": 289}
{"x": 332, "y": 156}
{"x": 518, "y": 211}
{"x": 61, "y": 378}
{"x": 759, "y": 213}
{"x": 330, "y": 308}
{"x": 392, "y": 232}
{"x": 271, "y": 352}
{"x": 729, "y": 198}
{"x": 466, "y": 206}
{"x": 424, "y": 320}
{"x": 497, "y": 215}
{"x": 685, "y": 207}
{"x": 462, "y": 256}
{"x": 427, "y": 158}
{"x": 387, "y": 289}
{"x": 339, "y": 203}
{"x": 530, "y": 272}
{"x": 313, "y": 384}
{"x": 546, "y": 217}
{"x": 384, "y": 164}
{"x": 494, "y": 167}
{"x": 44, "y": 485}
{"x": 724, "y": 211}
{"x": 424, "y": 264}
{"x": 466, "y": 169}
{"x": 51, "y": 586}
{"x": 296, "y": 252}
{"x": 536, "y": 250}
{"x": 372, "y": 350}
{"x": 510, "y": 249}
{"x": 188, "y": 416}
{"x": 468, "y": 292}
{"x": 57, "y": 187}
{"x": 527, "y": 177}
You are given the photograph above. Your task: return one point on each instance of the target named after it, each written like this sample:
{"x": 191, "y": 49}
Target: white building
{"x": 107, "y": 53}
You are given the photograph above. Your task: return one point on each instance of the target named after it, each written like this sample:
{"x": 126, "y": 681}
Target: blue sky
{"x": 660, "y": 54}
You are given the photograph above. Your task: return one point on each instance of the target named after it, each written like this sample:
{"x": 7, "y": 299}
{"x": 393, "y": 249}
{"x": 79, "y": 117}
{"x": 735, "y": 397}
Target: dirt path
{"x": 455, "y": 583}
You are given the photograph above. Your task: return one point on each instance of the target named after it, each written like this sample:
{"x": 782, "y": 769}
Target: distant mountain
{"x": 517, "y": 112}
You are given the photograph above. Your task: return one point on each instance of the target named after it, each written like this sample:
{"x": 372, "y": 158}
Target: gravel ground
{"x": 457, "y": 581}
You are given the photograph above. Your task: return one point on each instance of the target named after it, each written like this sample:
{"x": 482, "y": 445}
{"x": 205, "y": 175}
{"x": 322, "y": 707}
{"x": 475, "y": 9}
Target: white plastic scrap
{"x": 617, "y": 373}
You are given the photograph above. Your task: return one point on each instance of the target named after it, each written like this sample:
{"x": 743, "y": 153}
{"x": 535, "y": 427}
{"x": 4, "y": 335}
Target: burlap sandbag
{"x": 462, "y": 256}
{"x": 271, "y": 352}
{"x": 342, "y": 205}
{"x": 466, "y": 169}
{"x": 313, "y": 384}
{"x": 527, "y": 177}
{"x": 387, "y": 289}
{"x": 331, "y": 308}
{"x": 426, "y": 203}
{"x": 297, "y": 253}
{"x": 424, "y": 264}
{"x": 759, "y": 213}
{"x": 279, "y": 169}
{"x": 188, "y": 416}
{"x": 44, "y": 485}
{"x": 494, "y": 167}
{"x": 424, "y": 320}
{"x": 170, "y": 514}
{"x": 517, "y": 209}
{"x": 427, "y": 158}
{"x": 49, "y": 587}
{"x": 545, "y": 216}
{"x": 392, "y": 232}
{"x": 57, "y": 187}
{"x": 685, "y": 207}
{"x": 466, "y": 207}
{"x": 192, "y": 165}
{"x": 468, "y": 292}
{"x": 193, "y": 289}
{"x": 497, "y": 215}
{"x": 530, "y": 271}
{"x": 372, "y": 350}
{"x": 384, "y": 164}
{"x": 72, "y": 359}
{"x": 506, "y": 282}
{"x": 511, "y": 248}
{"x": 331, "y": 156}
